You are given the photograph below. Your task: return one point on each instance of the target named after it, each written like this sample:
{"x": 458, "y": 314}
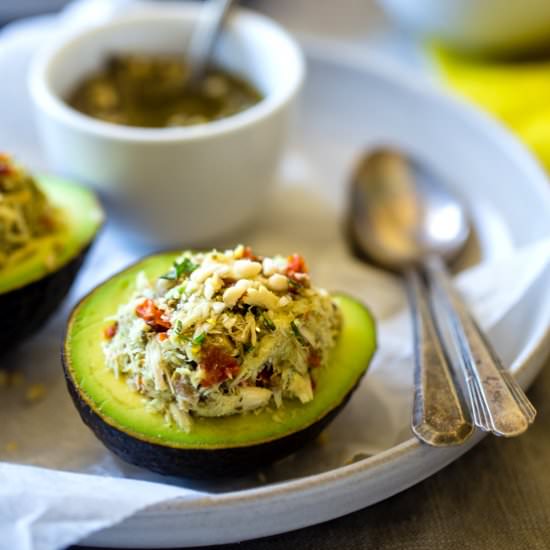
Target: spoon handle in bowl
{"x": 439, "y": 417}
{"x": 498, "y": 403}
{"x": 205, "y": 34}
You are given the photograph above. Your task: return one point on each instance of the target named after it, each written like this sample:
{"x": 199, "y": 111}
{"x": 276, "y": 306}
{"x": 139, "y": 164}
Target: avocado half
{"x": 216, "y": 447}
{"x": 31, "y": 290}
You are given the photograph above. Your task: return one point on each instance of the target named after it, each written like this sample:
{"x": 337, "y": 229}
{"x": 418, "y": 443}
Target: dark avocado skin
{"x": 26, "y": 309}
{"x": 196, "y": 463}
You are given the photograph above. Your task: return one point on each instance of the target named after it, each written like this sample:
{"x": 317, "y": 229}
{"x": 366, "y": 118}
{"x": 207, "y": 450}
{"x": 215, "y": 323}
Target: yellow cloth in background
{"x": 516, "y": 92}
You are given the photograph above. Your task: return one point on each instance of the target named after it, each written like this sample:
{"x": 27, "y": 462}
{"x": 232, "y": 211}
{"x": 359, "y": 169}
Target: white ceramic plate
{"x": 346, "y": 107}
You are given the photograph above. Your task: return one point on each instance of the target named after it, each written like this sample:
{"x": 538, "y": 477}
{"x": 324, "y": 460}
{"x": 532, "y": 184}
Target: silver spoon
{"x": 204, "y": 36}
{"x": 403, "y": 218}
{"x": 388, "y": 226}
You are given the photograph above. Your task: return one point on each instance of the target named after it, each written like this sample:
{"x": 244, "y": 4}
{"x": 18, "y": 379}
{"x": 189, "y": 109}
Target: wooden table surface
{"x": 497, "y": 496}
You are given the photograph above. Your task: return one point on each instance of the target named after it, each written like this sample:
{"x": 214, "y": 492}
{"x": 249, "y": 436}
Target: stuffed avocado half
{"x": 212, "y": 364}
{"x": 46, "y": 228}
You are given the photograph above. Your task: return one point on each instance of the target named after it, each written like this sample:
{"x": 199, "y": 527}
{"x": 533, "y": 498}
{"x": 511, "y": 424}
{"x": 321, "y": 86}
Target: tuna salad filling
{"x": 25, "y": 214}
{"x": 223, "y": 333}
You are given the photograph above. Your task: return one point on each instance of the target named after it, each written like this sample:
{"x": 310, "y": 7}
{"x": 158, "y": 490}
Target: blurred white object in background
{"x": 352, "y": 19}
{"x": 482, "y": 25}
{"x": 35, "y": 15}
{"x": 89, "y": 12}
{"x": 13, "y": 9}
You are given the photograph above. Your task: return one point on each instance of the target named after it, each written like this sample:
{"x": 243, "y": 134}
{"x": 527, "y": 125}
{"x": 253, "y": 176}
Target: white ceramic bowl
{"x": 171, "y": 185}
{"x": 492, "y": 26}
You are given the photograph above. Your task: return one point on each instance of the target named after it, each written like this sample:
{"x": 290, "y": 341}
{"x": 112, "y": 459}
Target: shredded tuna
{"x": 223, "y": 333}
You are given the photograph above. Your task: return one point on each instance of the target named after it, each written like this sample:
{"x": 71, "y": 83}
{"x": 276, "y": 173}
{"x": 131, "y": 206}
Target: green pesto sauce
{"x": 153, "y": 91}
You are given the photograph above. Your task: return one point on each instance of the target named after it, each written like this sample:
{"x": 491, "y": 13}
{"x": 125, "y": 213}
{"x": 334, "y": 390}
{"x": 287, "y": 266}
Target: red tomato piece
{"x": 314, "y": 359}
{"x": 296, "y": 264}
{"x": 153, "y": 316}
{"x": 217, "y": 366}
{"x": 110, "y": 331}
{"x": 6, "y": 167}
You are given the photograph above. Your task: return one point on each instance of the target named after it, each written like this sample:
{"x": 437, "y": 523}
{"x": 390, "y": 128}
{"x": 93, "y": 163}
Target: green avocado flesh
{"x": 123, "y": 409}
{"x": 81, "y": 215}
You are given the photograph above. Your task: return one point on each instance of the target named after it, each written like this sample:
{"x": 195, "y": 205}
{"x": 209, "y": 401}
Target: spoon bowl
{"x": 401, "y": 214}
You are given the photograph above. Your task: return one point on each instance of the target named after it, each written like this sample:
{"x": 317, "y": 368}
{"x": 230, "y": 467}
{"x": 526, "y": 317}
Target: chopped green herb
{"x": 295, "y": 285}
{"x": 247, "y": 348}
{"x": 186, "y": 266}
{"x": 267, "y": 322}
{"x": 296, "y": 331}
{"x": 178, "y": 327}
{"x": 199, "y": 339}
